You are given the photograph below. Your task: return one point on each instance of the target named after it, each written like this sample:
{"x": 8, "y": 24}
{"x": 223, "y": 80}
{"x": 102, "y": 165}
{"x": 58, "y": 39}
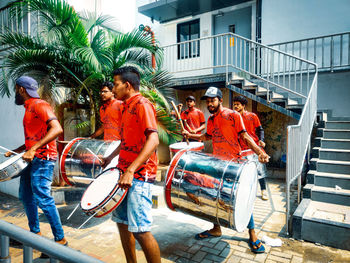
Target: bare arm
{"x": 110, "y": 157}
{"x": 54, "y": 129}
{"x": 17, "y": 150}
{"x": 97, "y": 133}
{"x": 202, "y": 137}
{"x": 201, "y": 128}
{"x": 263, "y": 157}
{"x": 150, "y": 146}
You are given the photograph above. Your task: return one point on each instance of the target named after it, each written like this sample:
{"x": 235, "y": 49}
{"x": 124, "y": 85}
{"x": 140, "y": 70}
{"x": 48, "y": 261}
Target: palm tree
{"x": 79, "y": 52}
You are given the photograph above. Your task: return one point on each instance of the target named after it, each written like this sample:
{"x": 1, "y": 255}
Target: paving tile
{"x": 234, "y": 259}
{"x": 243, "y": 255}
{"x": 278, "y": 259}
{"x": 281, "y": 254}
{"x": 199, "y": 256}
{"x": 296, "y": 259}
{"x": 194, "y": 249}
{"x": 215, "y": 258}
{"x": 211, "y": 250}
{"x": 260, "y": 257}
{"x": 226, "y": 252}
{"x": 220, "y": 245}
{"x": 238, "y": 248}
{"x": 244, "y": 260}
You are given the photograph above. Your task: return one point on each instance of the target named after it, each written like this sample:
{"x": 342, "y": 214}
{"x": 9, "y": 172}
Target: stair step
{"x": 334, "y": 154}
{"x": 291, "y": 102}
{"x": 275, "y": 95}
{"x": 336, "y": 134}
{"x": 260, "y": 91}
{"x": 330, "y": 166}
{"x": 326, "y": 194}
{"x": 329, "y": 179}
{"x": 334, "y": 143}
{"x": 318, "y": 222}
{"x": 338, "y": 125}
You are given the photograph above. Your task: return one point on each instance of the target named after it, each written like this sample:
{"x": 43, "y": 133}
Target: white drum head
{"x": 114, "y": 145}
{"x": 10, "y": 161}
{"x": 245, "y": 196}
{"x": 184, "y": 145}
{"x": 99, "y": 190}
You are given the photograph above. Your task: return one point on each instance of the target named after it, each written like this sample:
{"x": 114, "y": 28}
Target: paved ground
{"x": 175, "y": 231}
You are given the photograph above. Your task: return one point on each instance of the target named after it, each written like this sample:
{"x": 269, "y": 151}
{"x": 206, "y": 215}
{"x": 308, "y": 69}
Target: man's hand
{"x": 28, "y": 156}
{"x": 263, "y": 157}
{"x": 125, "y": 180}
{"x": 261, "y": 144}
{"x": 185, "y": 134}
{"x": 8, "y": 154}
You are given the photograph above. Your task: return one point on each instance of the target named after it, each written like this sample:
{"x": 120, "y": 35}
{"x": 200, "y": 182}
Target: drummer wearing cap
{"x": 41, "y": 128}
{"x": 225, "y": 127}
{"x": 194, "y": 118}
{"x": 138, "y": 165}
{"x": 110, "y": 114}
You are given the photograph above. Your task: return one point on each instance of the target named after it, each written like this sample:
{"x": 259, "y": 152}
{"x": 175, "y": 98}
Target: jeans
{"x": 251, "y": 223}
{"x": 136, "y": 209}
{"x": 34, "y": 191}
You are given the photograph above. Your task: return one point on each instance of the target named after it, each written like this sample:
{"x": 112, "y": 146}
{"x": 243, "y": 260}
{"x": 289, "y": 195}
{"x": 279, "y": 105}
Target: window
{"x": 185, "y": 32}
{"x": 232, "y": 29}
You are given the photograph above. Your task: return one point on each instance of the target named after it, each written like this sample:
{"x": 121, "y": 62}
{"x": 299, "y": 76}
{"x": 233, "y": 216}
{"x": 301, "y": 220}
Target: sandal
{"x": 204, "y": 235}
{"x": 255, "y": 244}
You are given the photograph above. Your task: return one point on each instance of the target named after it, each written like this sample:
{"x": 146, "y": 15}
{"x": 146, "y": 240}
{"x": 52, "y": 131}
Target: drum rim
{"x": 235, "y": 200}
{"x": 107, "y": 199}
{"x": 15, "y": 159}
{"x": 170, "y": 174}
{"x": 201, "y": 146}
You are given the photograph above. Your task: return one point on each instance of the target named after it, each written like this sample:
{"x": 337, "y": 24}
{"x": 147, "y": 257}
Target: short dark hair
{"x": 241, "y": 99}
{"x": 107, "y": 84}
{"x": 129, "y": 74}
{"x": 191, "y": 98}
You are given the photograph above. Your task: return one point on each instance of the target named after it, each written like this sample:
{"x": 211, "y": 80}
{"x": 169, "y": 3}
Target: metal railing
{"x": 298, "y": 144}
{"x": 226, "y": 53}
{"x": 29, "y": 240}
{"x": 329, "y": 52}
{"x": 274, "y": 69}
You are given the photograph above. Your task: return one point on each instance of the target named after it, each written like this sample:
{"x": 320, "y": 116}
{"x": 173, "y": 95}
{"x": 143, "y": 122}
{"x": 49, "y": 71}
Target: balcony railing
{"x": 329, "y": 52}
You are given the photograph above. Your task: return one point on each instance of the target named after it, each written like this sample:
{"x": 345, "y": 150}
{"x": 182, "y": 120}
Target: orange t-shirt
{"x": 138, "y": 120}
{"x": 194, "y": 118}
{"x": 111, "y": 114}
{"x": 251, "y": 122}
{"x": 225, "y": 128}
{"x": 36, "y": 118}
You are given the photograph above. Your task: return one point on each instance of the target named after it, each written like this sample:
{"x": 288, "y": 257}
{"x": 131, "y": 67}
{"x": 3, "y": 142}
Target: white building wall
{"x": 286, "y": 20}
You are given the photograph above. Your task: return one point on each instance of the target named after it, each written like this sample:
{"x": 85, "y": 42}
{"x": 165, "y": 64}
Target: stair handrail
{"x": 330, "y": 52}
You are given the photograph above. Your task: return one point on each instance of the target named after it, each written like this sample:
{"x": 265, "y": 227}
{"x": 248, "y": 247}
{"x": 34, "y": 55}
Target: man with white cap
{"x": 41, "y": 128}
{"x": 225, "y": 127}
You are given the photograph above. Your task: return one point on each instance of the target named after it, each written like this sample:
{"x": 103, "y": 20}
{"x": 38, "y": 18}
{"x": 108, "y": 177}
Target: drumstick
{"x": 75, "y": 209}
{"x": 179, "y": 117}
{"x": 9, "y": 150}
{"x": 94, "y": 155}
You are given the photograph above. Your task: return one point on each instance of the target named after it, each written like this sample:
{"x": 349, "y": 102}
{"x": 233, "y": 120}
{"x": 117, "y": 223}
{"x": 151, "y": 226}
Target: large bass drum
{"x": 12, "y": 167}
{"x": 213, "y": 189}
{"x": 80, "y": 162}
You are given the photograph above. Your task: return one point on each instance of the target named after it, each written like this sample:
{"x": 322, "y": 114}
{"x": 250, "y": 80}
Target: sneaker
{"x": 264, "y": 195}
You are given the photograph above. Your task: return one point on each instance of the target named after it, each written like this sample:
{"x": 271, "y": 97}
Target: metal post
{"x": 4, "y": 251}
{"x": 27, "y": 254}
{"x": 332, "y": 48}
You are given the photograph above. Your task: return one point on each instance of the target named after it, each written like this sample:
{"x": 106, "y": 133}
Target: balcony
{"x": 167, "y": 10}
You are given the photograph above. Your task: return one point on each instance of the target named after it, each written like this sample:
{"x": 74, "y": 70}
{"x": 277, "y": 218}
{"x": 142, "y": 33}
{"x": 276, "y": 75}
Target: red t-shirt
{"x": 111, "y": 114}
{"x": 194, "y": 118}
{"x": 36, "y": 118}
{"x": 138, "y": 120}
{"x": 251, "y": 122}
{"x": 225, "y": 128}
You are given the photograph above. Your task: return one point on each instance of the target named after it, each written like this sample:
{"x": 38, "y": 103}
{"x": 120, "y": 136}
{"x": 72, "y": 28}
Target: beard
{"x": 19, "y": 99}
{"x": 213, "y": 110}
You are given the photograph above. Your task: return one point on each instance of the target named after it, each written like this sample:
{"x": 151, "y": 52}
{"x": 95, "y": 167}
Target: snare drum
{"x": 103, "y": 194}
{"x": 12, "y": 167}
{"x": 213, "y": 189}
{"x": 79, "y": 162}
{"x": 194, "y": 146}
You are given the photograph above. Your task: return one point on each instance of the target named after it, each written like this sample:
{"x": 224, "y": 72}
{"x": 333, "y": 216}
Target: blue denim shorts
{"x": 135, "y": 210}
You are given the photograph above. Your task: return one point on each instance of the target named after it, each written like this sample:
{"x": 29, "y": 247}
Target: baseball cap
{"x": 29, "y": 84}
{"x": 212, "y": 92}
{"x": 190, "y": 98}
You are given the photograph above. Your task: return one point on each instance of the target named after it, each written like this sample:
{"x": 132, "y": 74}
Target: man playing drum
{"x": 224, "y": 128}
{"x": 110, "y": 114}
{"x": 41, "y": 129}
{"x": 194, "y": 120}
{"x": 137, "y": 164}
{"x": 255, "y": 130}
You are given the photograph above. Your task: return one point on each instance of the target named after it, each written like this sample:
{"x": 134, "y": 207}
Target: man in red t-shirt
{"x": 194, "y": 120}
{"x": 110, "y": 114}
{"x": 224, "y": 128}
{"x": 41, "y": 128}
{"x": 138, "y": 165}
{"x": 255, "y": 130}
